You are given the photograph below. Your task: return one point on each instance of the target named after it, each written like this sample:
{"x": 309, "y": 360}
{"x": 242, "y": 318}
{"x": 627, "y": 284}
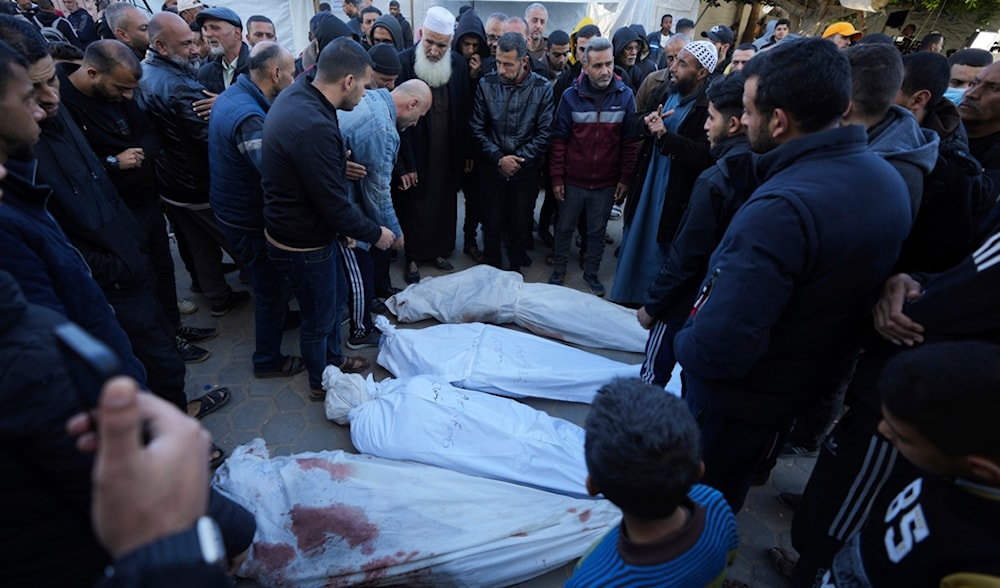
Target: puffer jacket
{"x": 513, "y": 118}
{"x": 167, "y": 92}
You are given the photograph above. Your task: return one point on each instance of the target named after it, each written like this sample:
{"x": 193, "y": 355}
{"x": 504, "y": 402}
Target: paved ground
{"x": 279, "y": 411}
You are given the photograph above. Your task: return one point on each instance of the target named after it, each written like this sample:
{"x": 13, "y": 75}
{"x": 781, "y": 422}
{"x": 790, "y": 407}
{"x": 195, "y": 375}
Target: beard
{"x": 682, "y": 87}
{"x": 435, "y": 73}
{"x": 185, "y": 64}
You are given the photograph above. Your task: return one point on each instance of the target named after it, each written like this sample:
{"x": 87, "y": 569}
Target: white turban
{"x": 440, "y": 21}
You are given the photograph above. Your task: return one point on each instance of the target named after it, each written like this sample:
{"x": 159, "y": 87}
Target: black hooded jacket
{"x": 631, "y": 75}
{"x": 471, "y": 25}
{"x": 389, "y": 23}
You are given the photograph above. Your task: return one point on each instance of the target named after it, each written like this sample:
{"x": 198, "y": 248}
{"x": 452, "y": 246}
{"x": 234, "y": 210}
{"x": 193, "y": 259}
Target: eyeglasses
{"x": 492, "y": 38}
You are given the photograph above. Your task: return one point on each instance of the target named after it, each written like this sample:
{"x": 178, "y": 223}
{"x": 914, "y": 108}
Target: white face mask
{"x": 954, "y": 94}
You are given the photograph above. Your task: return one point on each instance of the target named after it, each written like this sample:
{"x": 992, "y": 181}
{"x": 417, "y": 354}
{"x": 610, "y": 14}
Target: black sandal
{"x": 216, "y": 455}
{"x": 292, "y": 365}
{"x": 211, "y": 402}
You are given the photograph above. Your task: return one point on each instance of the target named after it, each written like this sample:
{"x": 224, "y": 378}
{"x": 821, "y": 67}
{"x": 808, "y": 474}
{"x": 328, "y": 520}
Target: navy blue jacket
{"x": 303, "y": 169}
{"x": 791, "y": 285}
{"x": 235, "y": 193}
{"x": 210, "y": 74}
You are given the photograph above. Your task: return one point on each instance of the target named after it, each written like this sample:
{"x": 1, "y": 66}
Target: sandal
{"x": 317, "y": 394}
{"x": 210, "y": 402}
{"x": 216, "y": 456}
{"x": 783, "y": 561}
{"x": 292, "y": 365}
{"x": 354, "y": 365}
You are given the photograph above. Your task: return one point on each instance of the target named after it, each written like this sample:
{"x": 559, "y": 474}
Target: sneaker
{"x": 789, "y": 451}
{"x": 370, "y": 340}
{"x": 616, "y": 211}
{"x": 557, "y": 278}
{"x": 236, "y": 299}
{"x": 412, "y": 274}
{"x": 595, "y": 285}
{"x": 191, "y": 353}
{"x": 195, "y": 334}
{"x": 186, "y": 306}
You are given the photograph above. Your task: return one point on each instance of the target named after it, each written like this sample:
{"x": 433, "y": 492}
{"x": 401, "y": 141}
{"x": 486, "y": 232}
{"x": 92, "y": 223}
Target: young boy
{"x": 642, "y": 452}
{"x": 938, "y": 527}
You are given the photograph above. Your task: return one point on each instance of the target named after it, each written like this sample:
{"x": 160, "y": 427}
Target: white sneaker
{"x": 616, "y": 211}
{"x": 186, "y": 306}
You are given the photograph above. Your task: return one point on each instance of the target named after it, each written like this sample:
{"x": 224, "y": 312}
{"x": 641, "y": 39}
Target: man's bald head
{"x": 272, "y": 68}
{"x": 412, "y": 100}
{"x": 516, "y": 24}
{"x": 171, "y": 37}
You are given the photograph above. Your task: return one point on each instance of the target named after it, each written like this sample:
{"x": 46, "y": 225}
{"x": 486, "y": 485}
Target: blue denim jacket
{"x": 370, "y": 135}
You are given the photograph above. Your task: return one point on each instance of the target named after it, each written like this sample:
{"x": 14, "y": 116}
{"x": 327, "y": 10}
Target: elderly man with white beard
{"x": 437, "y": 151}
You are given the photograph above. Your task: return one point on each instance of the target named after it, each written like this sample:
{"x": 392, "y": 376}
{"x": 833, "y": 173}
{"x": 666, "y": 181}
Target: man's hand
{"x": 559, "y": 192}
{"x": 203, "y": 107}
{"x": 645, "y": 321}
{"x": 131, "y": 158}
{"x": 654, "y": 121}
{"x": 475, "y": 62}
{"x": 470, "y": 164}
{"x": 510, "y": 165}
{"x": 355, "y": 171}
{"x": 890, "y": 322}
{"x": 349, "y": 242}
{"x": 620, "y": 190}
{"x": 399, "y": 243}
{"x": 142, "y": 493}
{"x": 386, "y": 239}
{"x": 408, "y": 180}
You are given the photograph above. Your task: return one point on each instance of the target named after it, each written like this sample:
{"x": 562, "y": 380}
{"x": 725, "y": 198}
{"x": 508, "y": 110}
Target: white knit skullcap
{"x": 705, "y": 52}
{"x": 440, "y": 21}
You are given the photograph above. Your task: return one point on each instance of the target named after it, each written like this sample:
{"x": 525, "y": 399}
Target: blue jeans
{"x": 270, "y": 295}
{"x": 596, "y": 204}
{"x": 318, "y": 280}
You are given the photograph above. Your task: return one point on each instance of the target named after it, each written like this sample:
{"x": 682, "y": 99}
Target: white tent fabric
{"x": 291, "y": 17}
{"x": 497, "y": 360}
{"x": 427, "y": 420}
{"x": 483, "y": 293}
{"x": 335, "y": 519}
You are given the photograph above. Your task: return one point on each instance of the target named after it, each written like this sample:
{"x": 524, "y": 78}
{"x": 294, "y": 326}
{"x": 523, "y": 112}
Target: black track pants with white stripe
{"x": 359, "y": 269}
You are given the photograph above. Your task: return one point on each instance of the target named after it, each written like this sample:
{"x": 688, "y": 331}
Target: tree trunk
{"x": 750, "y": 32}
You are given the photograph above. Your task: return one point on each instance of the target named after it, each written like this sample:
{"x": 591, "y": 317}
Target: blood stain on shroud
{"x": 338, "y": 471}
{"x": 273, "y": 556}
{"x": 312, "y": 526}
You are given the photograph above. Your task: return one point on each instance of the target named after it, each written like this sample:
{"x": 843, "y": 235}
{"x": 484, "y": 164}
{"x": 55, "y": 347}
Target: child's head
{"x": 941, "y": 404}
{"x": 642, "y": 448}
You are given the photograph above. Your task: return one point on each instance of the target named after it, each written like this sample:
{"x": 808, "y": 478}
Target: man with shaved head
{"x": 129, "y": 26}
{"x": 169, "y": 91}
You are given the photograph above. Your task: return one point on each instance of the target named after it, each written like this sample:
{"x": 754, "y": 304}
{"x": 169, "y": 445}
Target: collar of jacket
{"x": 850, "y": 137}
{"x": 720, "y": 150}
{"x": 307, "y": 79}
{"x": 244, "y": 83}
{"x": 155, "y": 59}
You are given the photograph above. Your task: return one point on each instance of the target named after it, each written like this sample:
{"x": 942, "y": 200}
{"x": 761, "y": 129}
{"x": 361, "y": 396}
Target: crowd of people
{"x": 811, "y": 231}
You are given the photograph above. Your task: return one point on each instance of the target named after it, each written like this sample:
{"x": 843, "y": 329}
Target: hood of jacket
{"x": 572, "y": 37}
{"x": 899, "y": 137}
{"x": 640, "y": 30}
{"x": 471, "y": 24}
{"x": 944, "y": 120}
{"x": 623, "y": 37}
{"x": 391, "y": 24}
{"x": 328, "y": 28}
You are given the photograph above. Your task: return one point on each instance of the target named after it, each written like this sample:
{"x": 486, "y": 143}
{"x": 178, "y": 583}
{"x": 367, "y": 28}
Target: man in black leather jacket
{"x": 168, "y": 92}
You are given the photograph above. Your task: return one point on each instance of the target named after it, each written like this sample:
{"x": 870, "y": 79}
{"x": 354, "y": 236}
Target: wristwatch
{"x": 112, "y": 162}
{"x": 202, "y": 543}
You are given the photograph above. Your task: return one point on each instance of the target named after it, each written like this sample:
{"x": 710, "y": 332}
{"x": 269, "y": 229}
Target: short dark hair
{"x": 62, "y": 51}
{"x": 926, "y": 71}
{"x": 45, "y": 5}
{"x": 371, "y": 9}
{"x": 259, "y": 18}
{"x": 971, "y": 57}
{"x": 808, "y": 78}
{"x": 340, "y": 58}
{"x": 746, "y": 47}
{"x": 351, "y": 2}
{"x": 876, "y": 76}
{"x": 670, "y": 16}
{"x": 930, "y": 39}
{"x": 324, "y": 7}
{"x": 9, "y": 59}
{"x": 874, "y": 39}
{"x": 783, "y": 21}
{"x": 259, "y": 61}
{"x": 726, "y": 94}
{"x": 105, "y": 55}
{"x": 23, "y": 37}
{"x": 642, "y": 448}
{"x": 557, "y": 37}
{"x": 588, "y": 32}
{"x": 949, "y": 393}
{"x": 513, "y": 42}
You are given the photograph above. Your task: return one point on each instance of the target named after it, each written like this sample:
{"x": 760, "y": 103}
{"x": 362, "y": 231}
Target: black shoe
{"x": 370, "y": 340}
{"x": 389, "y": 293}
{"x": 191, "y": 353}
{"x": 378, "y": 306}
{"x": 474, "y": 252}
{"x": 236, "y": 299}
{"x": 195, "y": 334}
{"x": 443, "y": 264}
{"x": 293, "y": 319}
{"x": 412, "y": 274}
